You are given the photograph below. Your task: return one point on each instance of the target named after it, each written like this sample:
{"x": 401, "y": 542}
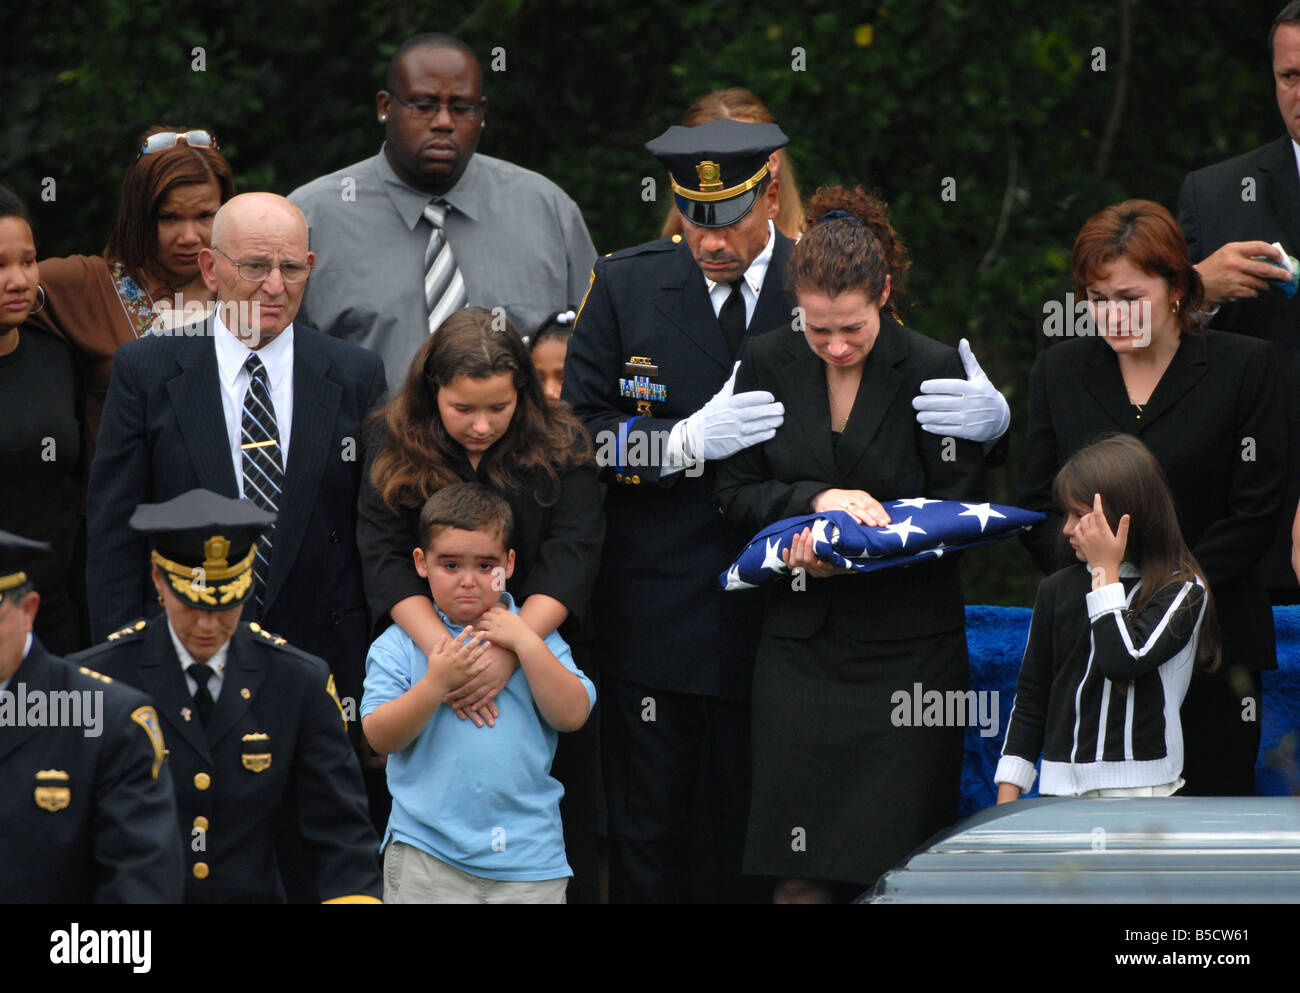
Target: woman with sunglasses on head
{"x": 41, "y": 469}
{"x": 148, "y": 275}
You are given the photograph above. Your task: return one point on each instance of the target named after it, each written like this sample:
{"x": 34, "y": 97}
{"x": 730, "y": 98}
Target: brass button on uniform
{"x": 636, "y": 480}
{"x": 618, "y": 477}
{"x": 200, "y": 870}
{"x": 201, "y": 823}
{"x": 202, "y": 781}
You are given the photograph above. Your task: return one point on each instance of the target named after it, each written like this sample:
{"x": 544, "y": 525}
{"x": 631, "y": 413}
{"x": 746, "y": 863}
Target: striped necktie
{"x": 444, "y": 287}
{"x": 263, "y": 472}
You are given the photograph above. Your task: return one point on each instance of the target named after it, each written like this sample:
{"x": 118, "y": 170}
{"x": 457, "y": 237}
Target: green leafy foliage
{"x": 1000, "y": 97}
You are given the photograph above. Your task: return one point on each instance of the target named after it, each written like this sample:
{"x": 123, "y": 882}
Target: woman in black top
{"x": 40, "y": 433}
{"x": 841, "y": 792}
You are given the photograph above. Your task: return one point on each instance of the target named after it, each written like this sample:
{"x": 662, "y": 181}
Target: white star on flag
{"x": 903, "y": 529}
{"x": 981, "y": 510}
{"x": 734, "y": 582}
{"x": 936, "y": 551}
{"x": 916, "y": 503}
{"x": 772, "y": 557}
{"x": 819, "y": 531}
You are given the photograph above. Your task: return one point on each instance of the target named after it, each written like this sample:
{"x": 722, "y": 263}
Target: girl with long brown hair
{"x": 1112, "y": 645}
{"x": 472, "y": 410}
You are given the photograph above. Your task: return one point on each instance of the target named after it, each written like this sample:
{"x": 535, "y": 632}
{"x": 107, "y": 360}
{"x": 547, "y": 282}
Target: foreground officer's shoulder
{"x": 110, "y": 646}
{"x": 659, "y": 248}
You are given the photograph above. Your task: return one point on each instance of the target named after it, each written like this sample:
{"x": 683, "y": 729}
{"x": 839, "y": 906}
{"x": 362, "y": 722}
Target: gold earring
{"x": 1175, "y": 307}
{"x": 161, "y": 602}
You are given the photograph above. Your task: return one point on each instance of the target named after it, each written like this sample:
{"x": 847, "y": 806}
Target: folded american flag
{"x": 919, "y": 530}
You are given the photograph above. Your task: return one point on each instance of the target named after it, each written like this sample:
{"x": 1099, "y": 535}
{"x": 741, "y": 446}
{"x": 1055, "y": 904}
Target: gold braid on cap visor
{"x": 726, "y": 194}
{"x": 195, "y": 584}
{"x": 12, "y": 581}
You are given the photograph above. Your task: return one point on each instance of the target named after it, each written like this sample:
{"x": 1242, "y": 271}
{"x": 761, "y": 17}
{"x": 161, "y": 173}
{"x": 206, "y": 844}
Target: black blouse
{"x": 557, "y": 546}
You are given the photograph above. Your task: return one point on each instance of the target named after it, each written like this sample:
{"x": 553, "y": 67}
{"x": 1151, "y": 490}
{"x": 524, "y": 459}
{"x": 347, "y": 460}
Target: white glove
{"x": 731, "y": 421}
{"x": 969, "y": 408}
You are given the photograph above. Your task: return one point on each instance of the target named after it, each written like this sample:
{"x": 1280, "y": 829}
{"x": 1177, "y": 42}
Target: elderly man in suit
{"x": 246, "y": 404}
{"x": 85, "y": 795}
{"x": 1231, "y": 212}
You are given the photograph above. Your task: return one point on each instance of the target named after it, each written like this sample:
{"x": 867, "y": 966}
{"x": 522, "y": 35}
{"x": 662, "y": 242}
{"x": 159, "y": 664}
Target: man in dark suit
{"x": 255, "y": 726}
{"x": 244, "y": 404}
{"x": 1231, "y": 212}
{"x": 651, "y": 370}
{"x": 85, "y": 796}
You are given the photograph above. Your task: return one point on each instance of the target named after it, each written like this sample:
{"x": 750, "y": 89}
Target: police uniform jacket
{"x": 85, "y": 819}
{"x": 276, "y": 737}
{"x": 664, "y": 622}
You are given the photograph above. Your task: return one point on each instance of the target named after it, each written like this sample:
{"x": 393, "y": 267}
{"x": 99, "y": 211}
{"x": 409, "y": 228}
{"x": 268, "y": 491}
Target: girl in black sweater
{"x": 1112, "y": 645}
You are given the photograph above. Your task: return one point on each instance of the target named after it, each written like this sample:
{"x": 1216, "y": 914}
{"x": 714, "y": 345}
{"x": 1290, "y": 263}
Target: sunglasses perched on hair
{"x": 166, "y": 139}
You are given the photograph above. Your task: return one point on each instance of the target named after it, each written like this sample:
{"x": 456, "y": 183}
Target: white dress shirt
{"x": 217, "y": 664}
{"x": 27, "y": 647}
{"x": 674, "y": 454}
{"x": 277, "y": 357}
{"x": 752, "y": 281}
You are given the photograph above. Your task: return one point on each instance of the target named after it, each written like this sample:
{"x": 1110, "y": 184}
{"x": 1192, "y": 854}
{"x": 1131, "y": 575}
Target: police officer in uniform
{"x": 256, "y": 731}
{"x": 87, "y": 810}
{"x": 650, "y": 370}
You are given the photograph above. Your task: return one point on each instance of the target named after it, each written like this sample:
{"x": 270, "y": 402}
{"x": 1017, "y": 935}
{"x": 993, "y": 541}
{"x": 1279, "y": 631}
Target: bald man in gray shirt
{"x": 427, "y": 226}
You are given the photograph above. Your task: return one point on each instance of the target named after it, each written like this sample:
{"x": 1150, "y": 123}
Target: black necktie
{"x": 732, "y": 318}
{"x": 200, "y": 673}
{"x": 263, "y": 469}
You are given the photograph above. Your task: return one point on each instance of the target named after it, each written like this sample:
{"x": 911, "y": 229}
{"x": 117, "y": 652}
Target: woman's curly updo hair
{"x": 849, "y": 246}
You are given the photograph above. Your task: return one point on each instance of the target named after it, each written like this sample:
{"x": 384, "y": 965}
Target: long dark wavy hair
{"x": 1130, "y": 481}
{"x": 416, "y": 455}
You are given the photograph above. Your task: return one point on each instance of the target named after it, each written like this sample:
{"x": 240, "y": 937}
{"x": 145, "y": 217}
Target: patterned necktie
{"x": 444, "y": 288}
{"x": 732, "y": 318}
{"x": 263, "y": 472}
{"x": 203, "y": 703}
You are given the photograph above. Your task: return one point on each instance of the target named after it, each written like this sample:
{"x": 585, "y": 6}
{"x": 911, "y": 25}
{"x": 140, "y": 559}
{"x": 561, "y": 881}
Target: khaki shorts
{"x": 412, "y": 875}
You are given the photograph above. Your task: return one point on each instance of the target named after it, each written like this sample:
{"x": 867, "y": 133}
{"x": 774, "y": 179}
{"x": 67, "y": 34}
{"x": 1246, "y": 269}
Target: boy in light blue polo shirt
{"x": 476, "y": 814}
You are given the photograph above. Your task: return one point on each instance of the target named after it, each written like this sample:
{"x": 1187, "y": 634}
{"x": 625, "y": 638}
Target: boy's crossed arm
{"x": 392, "y": 726}
{"x": 559, "y": 694}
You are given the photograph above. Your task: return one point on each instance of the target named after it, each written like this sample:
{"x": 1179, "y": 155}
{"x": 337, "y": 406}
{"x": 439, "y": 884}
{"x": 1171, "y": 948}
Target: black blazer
{"x": 556, "y": 543}
{"x": 1216, "y": 426}
{"x": 232, "y": 785}
{"x": 164, "y": 433}
{"x": 104, "y": 831}
{"x": 663, "y": 621}
{"x": 1213, "y": 210}
{"x": 882, "y": 450}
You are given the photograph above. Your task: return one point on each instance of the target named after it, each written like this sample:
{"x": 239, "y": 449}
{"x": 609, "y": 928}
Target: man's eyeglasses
{"x": 166, "y": 139}
{"x": 427, "y": 110}
{"x": 258, "y": 271}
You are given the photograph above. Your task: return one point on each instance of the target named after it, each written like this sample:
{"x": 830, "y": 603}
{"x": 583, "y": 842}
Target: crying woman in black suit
{"x": 840, "y": 794}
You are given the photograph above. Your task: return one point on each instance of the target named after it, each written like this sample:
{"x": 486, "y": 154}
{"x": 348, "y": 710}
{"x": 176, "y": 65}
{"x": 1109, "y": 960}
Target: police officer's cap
{"x": 16, "y": 556}
{"x": 717, "y": 167}
{"x": 205, "y": 544}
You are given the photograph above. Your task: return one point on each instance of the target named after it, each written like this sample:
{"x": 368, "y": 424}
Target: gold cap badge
{"x": 710, "y": 174}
